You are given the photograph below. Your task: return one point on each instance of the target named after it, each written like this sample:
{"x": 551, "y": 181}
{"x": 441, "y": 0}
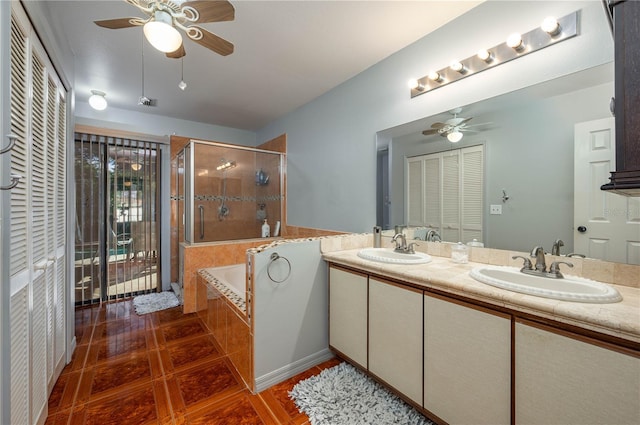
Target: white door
{"x": 606, "y": 225}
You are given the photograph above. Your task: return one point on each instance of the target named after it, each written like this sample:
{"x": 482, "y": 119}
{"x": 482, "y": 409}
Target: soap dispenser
{"x": 266, "y": 229}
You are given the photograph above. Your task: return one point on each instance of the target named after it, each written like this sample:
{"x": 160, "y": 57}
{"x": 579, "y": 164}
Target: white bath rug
{"x": 155, "y": 302}
{"x": 343, "y": 395}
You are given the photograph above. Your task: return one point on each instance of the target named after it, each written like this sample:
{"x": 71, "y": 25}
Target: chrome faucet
{"x": 555, "y": 250}
{"x": 540, "y": 268}
{"x": 401, "y": 246}
{"x": 538, "y": 253}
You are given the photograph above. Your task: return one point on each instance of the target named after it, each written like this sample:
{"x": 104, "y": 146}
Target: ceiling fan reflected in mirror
{"x": 165, "y": 18}
{"x": 452, "y": 128}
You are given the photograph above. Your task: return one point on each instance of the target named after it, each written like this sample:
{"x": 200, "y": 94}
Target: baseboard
{"x": 292, "y": 369}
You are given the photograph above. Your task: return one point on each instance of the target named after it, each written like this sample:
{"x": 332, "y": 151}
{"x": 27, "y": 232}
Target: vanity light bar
{"x": 548, "y": 33}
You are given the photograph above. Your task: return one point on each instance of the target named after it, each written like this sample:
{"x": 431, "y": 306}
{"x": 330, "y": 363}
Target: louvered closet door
{"x": 415, "y": 181}
{"x": 19, "y": 267}
{"x": 432, "y": 192}
{"x": 451, "y": 196}
{"x": 472, "y": 196}
{"x": 450, "y": 193}
{"x": 38, "y": 238}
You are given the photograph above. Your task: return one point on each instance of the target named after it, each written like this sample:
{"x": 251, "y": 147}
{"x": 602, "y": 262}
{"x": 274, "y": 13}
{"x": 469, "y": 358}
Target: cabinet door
{"x": 348, "y": 314}
{"x": 562, "y": 379}
{"x": 467, "y": 363}
{"x": 395, "y": 336}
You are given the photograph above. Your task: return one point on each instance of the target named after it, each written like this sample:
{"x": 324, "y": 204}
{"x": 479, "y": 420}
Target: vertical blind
{"x": 117, "y": 213}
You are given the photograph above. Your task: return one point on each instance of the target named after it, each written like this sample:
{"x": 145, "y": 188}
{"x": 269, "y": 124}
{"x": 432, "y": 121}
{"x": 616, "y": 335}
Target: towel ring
{"x": 275, "y": 257}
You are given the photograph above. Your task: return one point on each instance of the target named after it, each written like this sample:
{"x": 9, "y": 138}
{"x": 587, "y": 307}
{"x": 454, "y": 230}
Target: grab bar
{"x": 201, "y": 207}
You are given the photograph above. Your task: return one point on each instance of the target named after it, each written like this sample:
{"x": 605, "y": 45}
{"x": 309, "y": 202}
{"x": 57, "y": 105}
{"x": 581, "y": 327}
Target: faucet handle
{"x": 554, "y": 268}
{"x": 527, "y": 263}
{"x": 411, "y": 248}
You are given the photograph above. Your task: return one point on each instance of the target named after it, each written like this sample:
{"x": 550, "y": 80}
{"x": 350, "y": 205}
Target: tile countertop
{"x": 621, "y": 319}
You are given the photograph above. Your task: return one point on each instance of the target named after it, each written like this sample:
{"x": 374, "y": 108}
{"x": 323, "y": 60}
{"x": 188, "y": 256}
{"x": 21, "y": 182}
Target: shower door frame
{"x": 189, "y": 183}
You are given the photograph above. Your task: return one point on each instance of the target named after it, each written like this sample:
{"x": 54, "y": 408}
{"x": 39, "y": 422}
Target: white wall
{"x": 158, "y": 125}
{"x": 331, "y": 140}
{"x": 291, "y": 332}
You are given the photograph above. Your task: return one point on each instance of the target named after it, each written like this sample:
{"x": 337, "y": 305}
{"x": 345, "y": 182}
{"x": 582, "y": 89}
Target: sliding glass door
{"x": 117, "y": 216}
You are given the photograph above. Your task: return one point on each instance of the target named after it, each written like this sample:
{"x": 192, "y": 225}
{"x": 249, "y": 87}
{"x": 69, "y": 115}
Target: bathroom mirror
{"x": 528, "y": 139}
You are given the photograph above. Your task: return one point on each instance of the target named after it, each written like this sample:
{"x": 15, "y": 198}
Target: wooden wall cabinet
{"x": 626, "y": 17}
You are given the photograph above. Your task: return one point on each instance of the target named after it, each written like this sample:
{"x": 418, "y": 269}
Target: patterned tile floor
{"x": 160, "y": 368}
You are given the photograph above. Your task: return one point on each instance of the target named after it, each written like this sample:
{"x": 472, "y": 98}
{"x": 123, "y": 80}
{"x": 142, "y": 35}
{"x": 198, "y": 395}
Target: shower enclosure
{"x": 225, "y": 192}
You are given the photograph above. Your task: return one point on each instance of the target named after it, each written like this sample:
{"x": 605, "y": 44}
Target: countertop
{"x": 621, "y": 319}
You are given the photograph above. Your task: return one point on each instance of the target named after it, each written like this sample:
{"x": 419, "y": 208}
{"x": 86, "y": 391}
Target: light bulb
{"x": 485, "y": 55}
{"x": 161, "y": 33}
{"x": 434, "y": 76}
{"x": 182, "y": 85}
{"x": 454, "y": 136}
{"x": 515, "y": 41}
{"x": 414, "y": 84}
{"x": 550, "y": 25}
{"x": 458, "y": 67}
{"x": 97, "y": 100}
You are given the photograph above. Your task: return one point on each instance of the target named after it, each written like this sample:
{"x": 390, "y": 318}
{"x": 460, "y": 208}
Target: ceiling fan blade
{"x": 115, "y": 24}
{"x": 465, "y": 120}
{"x": 438, "y": 125}
{"x": 177, "y": 54}
{"x": 210, "y": 41}
{"x": 212, "y": 10}
{"x": 430, "y": 132}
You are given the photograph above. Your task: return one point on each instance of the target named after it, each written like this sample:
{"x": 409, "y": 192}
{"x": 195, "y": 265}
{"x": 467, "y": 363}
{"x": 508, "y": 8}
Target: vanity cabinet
{"x": 467, "y": 362}
{"x": 565, "y": 378}
{"x": 348, "y": 293}
{"x": 395, "y": 336}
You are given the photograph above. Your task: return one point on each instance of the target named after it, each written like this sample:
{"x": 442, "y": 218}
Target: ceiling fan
{"x": 165, "y": 17}
{"x": 452, "y": 128}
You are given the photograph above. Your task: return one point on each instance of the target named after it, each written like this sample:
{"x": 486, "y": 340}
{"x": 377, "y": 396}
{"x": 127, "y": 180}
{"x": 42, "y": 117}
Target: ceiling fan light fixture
{"x": 161, "y": 34}
{"x": 454, "y": 136}
{"x": 97, "y": 100}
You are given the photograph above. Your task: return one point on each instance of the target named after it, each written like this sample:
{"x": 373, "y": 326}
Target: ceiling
{"x": 286, "y": 54}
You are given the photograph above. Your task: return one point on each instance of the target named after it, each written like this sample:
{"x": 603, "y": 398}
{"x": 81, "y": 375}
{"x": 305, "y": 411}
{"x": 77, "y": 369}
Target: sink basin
{"x": 384, "y": 255}
{"x": 571, "y": 288}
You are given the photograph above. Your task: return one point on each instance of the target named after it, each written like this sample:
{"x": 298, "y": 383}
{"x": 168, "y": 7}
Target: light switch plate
{"x": 495, "y": 209}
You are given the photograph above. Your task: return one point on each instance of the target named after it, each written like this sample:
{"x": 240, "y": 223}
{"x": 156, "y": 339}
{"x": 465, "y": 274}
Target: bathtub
{"x": 230, "y": 281}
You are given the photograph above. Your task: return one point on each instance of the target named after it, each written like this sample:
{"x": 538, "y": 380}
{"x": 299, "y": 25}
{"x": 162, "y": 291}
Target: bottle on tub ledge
{"x": 266, "y": 229}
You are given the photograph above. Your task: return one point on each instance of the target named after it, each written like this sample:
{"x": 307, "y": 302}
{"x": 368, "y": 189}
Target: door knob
{"x": 582, "y": 229}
